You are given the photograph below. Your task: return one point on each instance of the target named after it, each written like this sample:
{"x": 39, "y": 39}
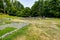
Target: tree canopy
{"x": 47, "y": 8}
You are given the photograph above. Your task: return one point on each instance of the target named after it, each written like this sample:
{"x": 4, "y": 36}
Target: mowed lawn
{"x": 39, "y": 29}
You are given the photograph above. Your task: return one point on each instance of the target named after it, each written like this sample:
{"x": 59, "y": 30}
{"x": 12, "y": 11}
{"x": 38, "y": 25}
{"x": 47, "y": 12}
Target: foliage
{"x": 47, "y": 8}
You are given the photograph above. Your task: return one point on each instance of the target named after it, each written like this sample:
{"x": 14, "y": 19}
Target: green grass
{"x": 58, "y": 25}
{"x": 8, "y": 16}
{"x": 6, "y": 19}
{"x": 2, "y": 22}
{"x": 6, "y": 30}
{"x": 34, "y": 32}
{"x": 22, "y": 31}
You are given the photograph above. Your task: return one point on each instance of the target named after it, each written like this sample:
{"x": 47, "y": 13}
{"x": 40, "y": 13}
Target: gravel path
{"x": 15, "y": 25}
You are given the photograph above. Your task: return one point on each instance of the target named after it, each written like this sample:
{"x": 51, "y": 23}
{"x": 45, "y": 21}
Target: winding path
{"x": 15, "y": 25}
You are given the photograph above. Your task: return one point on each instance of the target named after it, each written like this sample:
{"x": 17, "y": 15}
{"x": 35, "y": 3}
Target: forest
{"x": 47, "y": 8}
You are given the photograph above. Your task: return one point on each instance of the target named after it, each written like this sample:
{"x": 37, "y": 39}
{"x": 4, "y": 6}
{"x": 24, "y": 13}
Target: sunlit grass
{"x": 22, "y": 31}
{"x": 8, "y": 16}
{"x": 39, "y": 29}
{"x": 6, "y": 30}
{"x": 7, "y": 19}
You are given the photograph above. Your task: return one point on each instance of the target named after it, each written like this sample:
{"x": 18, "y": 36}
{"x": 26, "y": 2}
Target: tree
{"x": 48, "y": 8}
{"x": 54, "y": 7}
{"x": 26, "y": 12}
{"x": 13, "y": 6}
{"x": 38, "y": 8}
{"x": 34, "y": 9}
{"x": 18, "y": 5}
{"x": 1, "y": 5}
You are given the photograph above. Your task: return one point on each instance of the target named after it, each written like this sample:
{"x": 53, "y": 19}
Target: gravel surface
{"x": 15, "y": 25}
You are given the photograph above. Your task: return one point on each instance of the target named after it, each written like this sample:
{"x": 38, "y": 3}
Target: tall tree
{"x": 26, "y": 12}
{"x": 1, "y": 5}
{"x": 54, "y": 6}
{"x": 34, "y": 9}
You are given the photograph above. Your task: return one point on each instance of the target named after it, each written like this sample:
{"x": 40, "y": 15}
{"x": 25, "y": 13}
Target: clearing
{"x": 39, "y": 29}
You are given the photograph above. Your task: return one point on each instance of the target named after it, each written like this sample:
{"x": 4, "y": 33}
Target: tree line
{"x": 47, "y": 8}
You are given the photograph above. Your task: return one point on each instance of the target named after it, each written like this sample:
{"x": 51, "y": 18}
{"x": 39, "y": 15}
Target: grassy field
{"x": 6, "y": 19}
{"x": 8, "y": 16}
{"x": 39, "y": 29}
{"x": 22, "y": 31}
{"x": 6, "y": 30}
